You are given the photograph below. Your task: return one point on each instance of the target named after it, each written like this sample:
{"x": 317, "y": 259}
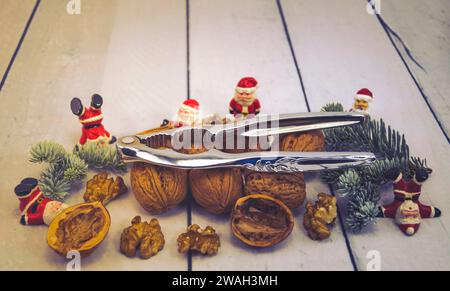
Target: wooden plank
{"x": 423, "y": 27}
{"x": 229, "y": 40}
{"x": 13, "y": 19}
{"x": 340, "y": 49}
{"x": 117, "y": 49}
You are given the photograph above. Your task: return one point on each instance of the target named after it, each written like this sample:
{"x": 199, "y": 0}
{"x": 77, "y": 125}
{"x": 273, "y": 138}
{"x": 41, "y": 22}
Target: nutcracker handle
{"x": 132, "y": 150}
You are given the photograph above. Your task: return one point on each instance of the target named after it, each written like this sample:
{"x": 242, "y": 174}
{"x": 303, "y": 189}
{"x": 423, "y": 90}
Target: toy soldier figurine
{"x": 244, "y": 101}
{"x": 362, "y": 99}
{"x": 91, "y": 118}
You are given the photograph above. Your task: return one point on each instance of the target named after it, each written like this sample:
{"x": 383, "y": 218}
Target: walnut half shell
{"x": 261, "y": 221}
{"x": 81, "y": 228}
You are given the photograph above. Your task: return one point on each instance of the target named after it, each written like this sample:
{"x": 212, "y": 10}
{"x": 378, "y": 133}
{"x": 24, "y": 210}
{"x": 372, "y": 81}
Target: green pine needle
{"x": 66, "y": 168}
{"x": 362, "y": 184}
{"x": 76, "y": 168}
{"x": 52, "y": 182}
{"x": 100, "y": 157}
{"x": 348, "y": 183}
{"x": 333, "y": 107}
{"x": 47, "y": 151}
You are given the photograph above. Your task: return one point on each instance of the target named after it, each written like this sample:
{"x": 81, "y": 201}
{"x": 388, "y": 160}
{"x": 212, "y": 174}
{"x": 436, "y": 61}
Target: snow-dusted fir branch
{"x": 362, "y": 184}
{"x": 66, "y": 168}
{"x": 100, "y": 157}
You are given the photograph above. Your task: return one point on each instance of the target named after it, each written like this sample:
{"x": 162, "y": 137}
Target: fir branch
{"x": 75, "y": 168}
{"x": 362, "y": 184}
{"x": 362, "y": 208}
{"x": 100, "y": 157}
{"x": 47, "y": 151}
{"x": 333, "y": 107}
{"x": 63, "y": 169}
{"x": 331, "y": 176}
{"x": 348, "y": 183}
{"x": 52, "y": 182}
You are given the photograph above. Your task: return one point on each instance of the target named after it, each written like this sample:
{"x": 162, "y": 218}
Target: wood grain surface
{"x": 146, "y": 56}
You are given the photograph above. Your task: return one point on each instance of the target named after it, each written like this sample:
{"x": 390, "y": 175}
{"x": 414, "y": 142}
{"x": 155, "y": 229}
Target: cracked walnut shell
{"x": 204, "y": 241}
{"x": 261, "y": 221}
{"x": 310, "y": 141}
{"x": 216, "y": 190}
{"x": 81, "y": 228}
{"x": 288, "y": 187}
{"x": 157, "y": 188}
{"x": 320, "y": 217}
{"x": 102, "y": 189}
{"x": 145, "y": 236}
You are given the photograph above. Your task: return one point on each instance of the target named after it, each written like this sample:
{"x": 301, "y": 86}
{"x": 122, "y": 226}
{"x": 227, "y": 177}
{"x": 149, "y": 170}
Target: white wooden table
{"x": 146, "y": 56}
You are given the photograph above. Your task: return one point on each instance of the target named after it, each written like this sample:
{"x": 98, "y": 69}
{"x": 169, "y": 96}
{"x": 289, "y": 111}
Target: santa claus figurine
{"x": 244, "y": 102}
{"x": 188, "y": 114}
{"x": 34, "y": 207}
{"x": 362, "y": 99}
{"x": 91, "y": 119}
{"x": 406, "y": 208}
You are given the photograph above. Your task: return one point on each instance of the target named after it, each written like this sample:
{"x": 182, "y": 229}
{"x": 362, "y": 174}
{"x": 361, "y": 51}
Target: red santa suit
{"x": 34, "y": 207}
{"x": 93, "y": 130}
{"x": 238, "y": 105}
{"x": 406, "y": 208}
{"x": 236, "y": 108}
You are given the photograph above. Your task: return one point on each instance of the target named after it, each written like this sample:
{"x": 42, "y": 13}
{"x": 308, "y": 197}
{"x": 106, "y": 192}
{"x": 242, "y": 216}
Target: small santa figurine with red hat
{"x": 362, "y": 99}
{"x": 34, "y": 207}
{"x": 406, "y": 208}
{"x": 188, "y": 113}
{"x": 244, "y": 101}
{"x": 91, "y": 119}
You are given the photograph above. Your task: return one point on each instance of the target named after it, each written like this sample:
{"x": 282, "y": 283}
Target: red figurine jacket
{"x": 407, "y": 190}
{"x": 35, "y": 208}
{"x": 93, "y": 130}
{"x": 236, "y": 108}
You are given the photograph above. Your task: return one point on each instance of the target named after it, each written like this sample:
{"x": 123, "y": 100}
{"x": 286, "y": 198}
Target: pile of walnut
{"x": 205, "y": 241}
{"x": 320, "y": 217}
{"x": 145, "y": 236}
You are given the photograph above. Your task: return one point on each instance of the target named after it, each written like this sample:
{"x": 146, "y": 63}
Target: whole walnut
{"x": 310, "y": 141}
{"x": 157, "y": 188}
{"x": 216, "y": 190}
{"x": 287, "y": 187}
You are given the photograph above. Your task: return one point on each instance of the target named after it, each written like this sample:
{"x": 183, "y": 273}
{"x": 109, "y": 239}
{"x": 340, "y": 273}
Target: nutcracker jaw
{"x": 154, "y": 148}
